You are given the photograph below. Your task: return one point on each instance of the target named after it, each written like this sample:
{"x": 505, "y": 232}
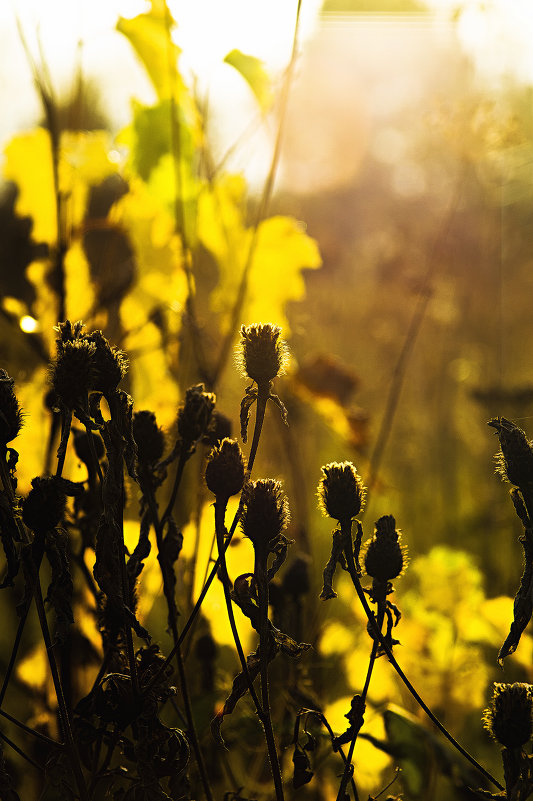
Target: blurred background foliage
{"x": 396, "y": 256}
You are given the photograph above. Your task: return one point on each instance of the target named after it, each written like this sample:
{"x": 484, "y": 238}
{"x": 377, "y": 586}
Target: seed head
{"x": 265, "y": 511}
{"x": 149, "y": 437}
{"x": 10, "y": 412}
{"x": 224, "y": 473}
{"x": 514, "y": 462}
{"x": 195, "y": 413}
{"x": 341, "y": 492}
{"x": 509, "y": 716}
{"x": 68, "y": 332}
{"x": 110, "y": 364}
{"x": 261, "y": 354}
{"x": 385, "y": 557}
{"x": 44, "y": 507}
{"x": 73, "y": 372}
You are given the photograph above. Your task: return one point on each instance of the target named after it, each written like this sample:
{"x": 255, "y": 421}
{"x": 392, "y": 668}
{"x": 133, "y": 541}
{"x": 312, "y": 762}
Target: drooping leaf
{"x": 254, "y": 73}
{"x": 60, "y": 590}
{"x": 150, "y": 37}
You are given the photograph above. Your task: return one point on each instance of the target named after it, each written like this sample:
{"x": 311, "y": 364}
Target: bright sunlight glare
{"x": 28, "y": 324}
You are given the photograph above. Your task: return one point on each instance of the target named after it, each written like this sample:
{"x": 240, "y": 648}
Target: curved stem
{"x": 262, "y": 207}
{"x": 376, "y": 633}
{"x": 260, "y": 573}
{"x": 62, "y": 707}
{"x": 220, "y": 511}
{"x": 175, "y": 487}
{"x": 263, "y": 392}
{"x": 148, "y": 492}
{"x": 348, "y": 770}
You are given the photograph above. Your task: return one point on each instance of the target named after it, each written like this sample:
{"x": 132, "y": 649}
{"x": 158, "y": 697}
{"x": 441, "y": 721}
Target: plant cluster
{"x": 113, "y": 741}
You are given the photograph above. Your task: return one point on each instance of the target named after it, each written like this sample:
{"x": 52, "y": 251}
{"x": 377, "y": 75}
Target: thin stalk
{"x": 262, "y": 208}
{"x": 62, "y": 707}
{"x": 22, "y": 753}
{"x": 37, "y": 734}
{"x": 376, "y": 633}
{"x": 220, "y": 528}
{"x": 158, "y": 528}
{"x": 260, "y": 573}
{"x": 125, "y": 592}
{"x": 259, "y": 418}
{"x": 183, "y": 457}
{"x": 348, "y": 769}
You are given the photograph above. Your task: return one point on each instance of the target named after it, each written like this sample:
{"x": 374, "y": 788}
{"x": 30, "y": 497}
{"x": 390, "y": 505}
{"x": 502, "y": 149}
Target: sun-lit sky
{"x": 496, "y": 34}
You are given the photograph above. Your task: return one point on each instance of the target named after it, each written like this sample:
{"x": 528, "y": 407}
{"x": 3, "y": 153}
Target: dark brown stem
{"x": 377, "y": 635}
{"x": 260, "y": 573}
{"x": 220, "y": 528}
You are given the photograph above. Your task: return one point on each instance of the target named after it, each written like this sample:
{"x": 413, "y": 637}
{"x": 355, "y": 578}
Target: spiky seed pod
{"x": 149, "y": 437}
{"x": 10, "y": 412}
{"x": 195, "y": 413}
{"x": 73, "y": 372}
{"x": 265, "y": 511}
{"x": 509, "y": 718}
{"x": 225, "y": 469}
{"x": 110, "y": 363}
{"x": 385, "y": 557}
{"x": 44, "y": 507}
{"x": 341, "y": 492}
{"x": 261, "y": 354}
{"x": 514, "y": 462}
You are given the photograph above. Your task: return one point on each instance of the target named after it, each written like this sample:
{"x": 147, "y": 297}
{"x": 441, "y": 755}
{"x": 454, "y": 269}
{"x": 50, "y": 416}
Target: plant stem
{"x": 260, "y": 573}
{"x": 262, "y": 207}
{"x": 220, "y": 512}
{"x": 62, "y": 707}
{"x": 348, "y": 769}
{"x": 376, "y": 633}
{"x": 183, "y": 457}
{"x": 263, "y": 393}
{"x": 148, "y": 492}
{"x": 37, "y": 734}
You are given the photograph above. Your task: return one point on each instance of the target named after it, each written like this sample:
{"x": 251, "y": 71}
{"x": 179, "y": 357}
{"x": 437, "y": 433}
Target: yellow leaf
{"x": 149, "y": 36}
{"x": 253, "y": 71}
{"x": 78, "y": 287}
{"x": 28, "y": 162}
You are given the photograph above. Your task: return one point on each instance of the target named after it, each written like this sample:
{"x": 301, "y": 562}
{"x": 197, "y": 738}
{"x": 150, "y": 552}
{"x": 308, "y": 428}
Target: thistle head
{"x": 110, "y": 364}
{"x": 10, "y": 412}
{"x": 341, "y": 492}
{"x": 149, "y": 438}
{"x": 514, "y": 460}
{"x": 225, "y": 470}
{"x": 265, "y": 511}
{"x": 385, "y": 557}
{"x": 73, "y": 372}
{"x": 194, "y": 415}
{"x": 509, "y": 718}
{"x": 261, "y": 354}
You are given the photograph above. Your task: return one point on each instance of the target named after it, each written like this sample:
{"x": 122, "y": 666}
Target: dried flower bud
{"x": 110, "y": 364}
{"x": 341, "y": 492}
{"x": 515, "y": 459}
{"x": 195, "y": 413}
{"x": 149, "y": 437}
{"x": 224, "y": 473}
{"x": 265, "y": 511}
{"x": 509, "y": 716}
{"x": 73, "y": 372}
{"x": 384, "y": 555}
{"x": 10, "y": 412}
{"x": 44, "y": 507}
{"x": 262, "y": 355}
